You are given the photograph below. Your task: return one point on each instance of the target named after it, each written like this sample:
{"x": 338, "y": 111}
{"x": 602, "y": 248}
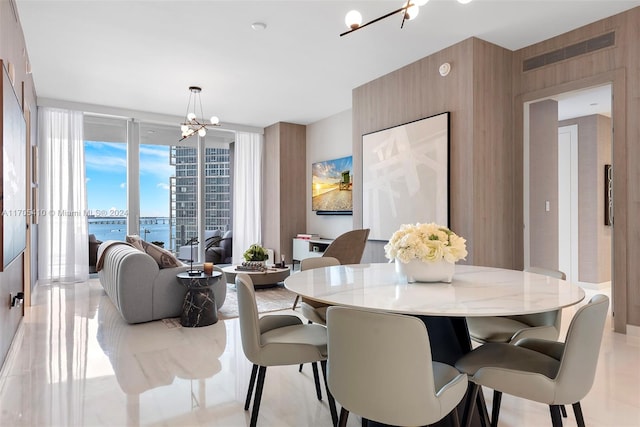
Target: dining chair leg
{"x": 563, "y": 411}
{"x": 332, "y": 402}
{"x": 252, "y": 381}
{"x": 577, "y": 410}
{"x": 256, "y": 400}
{"x": 495, "y": 407}
{"x": 470, "y": 404}
{"x": 300, "y": 368}
{"x": 556, "y": 417}
{"x": 344, "y": 415}
{"x": 316, "y": 379}
{"x": 453, "y": 416}
{"x": 483, "y": 413}
{"x": 295, "y": 302}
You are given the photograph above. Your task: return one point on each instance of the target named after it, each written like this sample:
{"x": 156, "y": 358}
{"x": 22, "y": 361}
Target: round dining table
{"x": 443, "y": 307}
{"x": 474, "y": 291}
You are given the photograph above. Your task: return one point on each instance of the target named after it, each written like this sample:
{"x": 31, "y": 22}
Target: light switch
{"x": 547, "y": 206}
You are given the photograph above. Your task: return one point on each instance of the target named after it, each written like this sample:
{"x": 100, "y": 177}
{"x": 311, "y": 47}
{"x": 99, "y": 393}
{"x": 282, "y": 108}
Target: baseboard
{"x": 633, "y": 331}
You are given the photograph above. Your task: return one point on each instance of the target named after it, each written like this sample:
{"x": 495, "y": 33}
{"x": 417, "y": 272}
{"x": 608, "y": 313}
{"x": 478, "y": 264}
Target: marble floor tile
{"x": 75, "y": 362}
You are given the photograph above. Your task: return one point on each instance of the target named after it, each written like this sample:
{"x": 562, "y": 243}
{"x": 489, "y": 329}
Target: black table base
{"x": 199, "y": 308}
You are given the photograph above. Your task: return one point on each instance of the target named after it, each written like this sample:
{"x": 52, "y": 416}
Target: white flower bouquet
{"x": 425, "y": 242}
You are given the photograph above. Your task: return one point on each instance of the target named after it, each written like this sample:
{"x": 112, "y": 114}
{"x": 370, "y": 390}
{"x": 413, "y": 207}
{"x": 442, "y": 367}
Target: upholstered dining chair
{"x": 277, "y": 340}
{"x": 544, "y": 371}
{"x": 513, "y": 328}
{"x": 315, "y": 312}
{"x": 347, "y": 248}
{"x": 380, "y": 368}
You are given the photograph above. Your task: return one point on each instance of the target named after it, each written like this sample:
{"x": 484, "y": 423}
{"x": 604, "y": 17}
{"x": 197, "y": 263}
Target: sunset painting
{"x": 332, "y": 185}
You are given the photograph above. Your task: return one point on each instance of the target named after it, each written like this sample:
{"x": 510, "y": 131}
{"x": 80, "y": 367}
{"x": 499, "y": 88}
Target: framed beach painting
{"x": 405, "y": 176}
{"x": 331, "y": 186}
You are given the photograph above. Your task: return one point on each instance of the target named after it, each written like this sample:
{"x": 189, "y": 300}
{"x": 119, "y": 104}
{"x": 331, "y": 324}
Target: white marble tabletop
{"x": 474, "y": 291}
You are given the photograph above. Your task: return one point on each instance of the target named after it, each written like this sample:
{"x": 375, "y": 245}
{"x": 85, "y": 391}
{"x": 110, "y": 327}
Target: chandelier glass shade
{"x": 193, "y": 125}
{"x": 409, "y": 11}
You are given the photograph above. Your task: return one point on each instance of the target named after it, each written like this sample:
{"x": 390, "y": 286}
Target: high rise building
{"x": 184, "y": 185}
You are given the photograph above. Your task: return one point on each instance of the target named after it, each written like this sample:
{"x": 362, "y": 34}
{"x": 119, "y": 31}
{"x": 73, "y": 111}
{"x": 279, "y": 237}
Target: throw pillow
{"x": 163, "y": 257}
{"x": 135, "y": 241}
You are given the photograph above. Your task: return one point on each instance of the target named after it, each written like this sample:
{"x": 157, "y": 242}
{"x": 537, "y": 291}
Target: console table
{"x": 309, "y": 248}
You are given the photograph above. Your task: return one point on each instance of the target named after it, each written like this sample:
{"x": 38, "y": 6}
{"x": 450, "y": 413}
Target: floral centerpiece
{"x": 426, "y": 252}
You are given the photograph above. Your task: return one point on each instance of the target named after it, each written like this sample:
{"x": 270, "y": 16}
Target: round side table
{"x": 199, "y": 306}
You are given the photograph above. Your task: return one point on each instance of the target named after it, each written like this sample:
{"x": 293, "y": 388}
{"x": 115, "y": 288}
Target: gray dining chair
{"x": 277, "y": 340}
{"x": 380, "y": 368}
{"x": 513, "y": 328}
{"x": 314, "y": 311}
{"x": 544, "y": 371}
{"x": 347, "y": 248}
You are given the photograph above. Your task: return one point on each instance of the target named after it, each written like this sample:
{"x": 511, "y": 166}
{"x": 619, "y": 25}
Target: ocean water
{"x": 117, "y": 230}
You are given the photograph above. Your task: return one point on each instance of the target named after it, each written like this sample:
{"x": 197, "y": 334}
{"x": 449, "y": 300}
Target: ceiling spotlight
{"x": 192, "y": 125}
{"x": 259, "y": 26}
{"x": 464, "y": 1}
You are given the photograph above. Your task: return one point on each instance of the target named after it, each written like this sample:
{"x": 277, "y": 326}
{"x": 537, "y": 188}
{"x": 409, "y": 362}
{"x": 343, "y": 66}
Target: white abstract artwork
{"x": 405, "y": 176}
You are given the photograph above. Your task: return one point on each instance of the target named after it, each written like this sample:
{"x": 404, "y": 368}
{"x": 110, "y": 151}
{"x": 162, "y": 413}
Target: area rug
{"x": 267, "y": 299}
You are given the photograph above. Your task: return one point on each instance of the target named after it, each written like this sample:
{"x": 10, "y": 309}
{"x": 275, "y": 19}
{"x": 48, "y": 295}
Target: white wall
{"x": 328, "y": 139}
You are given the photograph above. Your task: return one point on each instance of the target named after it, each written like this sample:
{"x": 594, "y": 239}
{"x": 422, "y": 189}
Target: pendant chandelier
{"x": 193, "y": 125}
{"x": 409, "y": 11}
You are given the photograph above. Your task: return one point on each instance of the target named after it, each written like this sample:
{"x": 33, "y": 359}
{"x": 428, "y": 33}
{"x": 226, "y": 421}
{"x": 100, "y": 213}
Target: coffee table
{"x": 261, "y": 279}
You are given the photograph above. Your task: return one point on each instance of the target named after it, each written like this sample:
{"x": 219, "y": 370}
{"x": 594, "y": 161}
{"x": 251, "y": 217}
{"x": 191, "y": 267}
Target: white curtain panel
{"x": 63, "y": 254}
{"x": 247, "y": 193}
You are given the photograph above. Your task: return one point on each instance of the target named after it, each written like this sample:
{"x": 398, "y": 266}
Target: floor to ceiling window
{"x": 105, "y": 150}
{"x": 161, "y": 185}
{"x": 217, "y": 195}
{"x": 156, "y": 172}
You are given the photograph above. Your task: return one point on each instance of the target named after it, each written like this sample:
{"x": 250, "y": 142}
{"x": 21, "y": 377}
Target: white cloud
{"x": 162, "y": 185}
{"x": 87, "y": 180}
{"x": 123, "y": 185}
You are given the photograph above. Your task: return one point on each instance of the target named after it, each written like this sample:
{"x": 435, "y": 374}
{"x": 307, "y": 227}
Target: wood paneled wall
{"x": 594, "y": 151}
{"x": 477, "y": 93}
{"x": 485, "y": 93}
{"x": 619, "y": 65}
{"x": 284, "y": 188}
{"x": 543, "y": 184}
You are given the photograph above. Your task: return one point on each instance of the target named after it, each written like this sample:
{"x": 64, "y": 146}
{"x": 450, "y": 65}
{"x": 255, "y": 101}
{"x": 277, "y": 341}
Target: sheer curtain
{"x": 247, "y": 191}
{"x": 63, "y": 254}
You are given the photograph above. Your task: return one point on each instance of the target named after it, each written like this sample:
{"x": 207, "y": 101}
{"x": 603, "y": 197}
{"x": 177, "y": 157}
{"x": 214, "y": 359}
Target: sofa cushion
{"x": 135, "y": 241}
{"x": 163, "y": 257}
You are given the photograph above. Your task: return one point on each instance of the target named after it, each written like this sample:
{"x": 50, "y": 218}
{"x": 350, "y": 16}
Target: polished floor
{"x": 74, "y": 362}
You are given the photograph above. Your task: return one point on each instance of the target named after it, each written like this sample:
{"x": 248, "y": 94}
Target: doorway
{"x": 567, "y": 143}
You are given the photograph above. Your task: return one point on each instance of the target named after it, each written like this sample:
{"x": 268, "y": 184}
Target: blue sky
{"x": 106, "y": 177}
{"x": 330, "y": 171}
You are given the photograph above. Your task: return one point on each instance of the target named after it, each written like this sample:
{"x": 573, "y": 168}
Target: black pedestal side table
{"x": 199, "y": 306}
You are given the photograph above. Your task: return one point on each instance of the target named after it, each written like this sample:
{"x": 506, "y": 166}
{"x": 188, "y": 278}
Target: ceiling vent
{"x": 587, "y": 46}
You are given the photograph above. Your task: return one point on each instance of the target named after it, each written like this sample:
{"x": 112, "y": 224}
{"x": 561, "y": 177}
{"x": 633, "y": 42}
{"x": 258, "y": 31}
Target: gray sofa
{"x": 138, "y": 288}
